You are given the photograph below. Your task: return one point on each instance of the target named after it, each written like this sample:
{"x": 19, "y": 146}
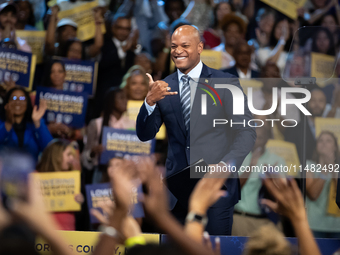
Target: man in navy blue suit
{"x": 192, "y": 136}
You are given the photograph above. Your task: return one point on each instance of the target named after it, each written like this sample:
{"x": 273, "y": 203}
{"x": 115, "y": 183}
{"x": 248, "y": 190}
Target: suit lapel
{"x": 176, "y": 102}
{"x": 196, "y": 109}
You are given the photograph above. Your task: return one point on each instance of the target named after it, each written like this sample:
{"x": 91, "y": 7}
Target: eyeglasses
{"x": 18, "y": 99}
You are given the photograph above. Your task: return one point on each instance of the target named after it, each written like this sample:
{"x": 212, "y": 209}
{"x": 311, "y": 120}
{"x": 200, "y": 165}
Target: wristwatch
{"x": 110, "y": 231}
{"x": 192, "y": 216}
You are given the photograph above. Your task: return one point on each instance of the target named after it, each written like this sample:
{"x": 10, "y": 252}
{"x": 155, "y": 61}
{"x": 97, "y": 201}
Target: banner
{"x": 63, "y": 106}
{"x": 322, "y": 66}
{"x": 287, "y": 7}
{"x": 36, "y": 40}
{"x": 327, "y": 124}
{"x": 83, "y": 16}
{"x": 121, "y": 143}
{"x": 84, "y": 242}
{"x": 133, "y": 107}
{"x": 102, "y": 192}
{"x": 333, "y": 208}
{"x": 81, "y": 75}
{"x": 211, "y": 58}
{"x": 250, "y": 83}
{"x": 287, "y": 151}
{"x": 18, "y": 66}
{"x": 58, "y": 190}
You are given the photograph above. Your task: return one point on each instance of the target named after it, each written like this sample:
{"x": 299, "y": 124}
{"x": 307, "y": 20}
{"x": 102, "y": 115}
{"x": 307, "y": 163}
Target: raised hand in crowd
{"x": 156, "y": 205}
{"x": 33, "y": 213}
{"x": 132, "y": 41}
{"x": 206, "y": 193}
{"x": 38, "y": 113}
{"x": 289, "y": 202}
{"x": 157, "y": 91}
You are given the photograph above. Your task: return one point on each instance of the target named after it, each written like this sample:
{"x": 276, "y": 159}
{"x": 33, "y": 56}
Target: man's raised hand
{"x": 157, "y": 91}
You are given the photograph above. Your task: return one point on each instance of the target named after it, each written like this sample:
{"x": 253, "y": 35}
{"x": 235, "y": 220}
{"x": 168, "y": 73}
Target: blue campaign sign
{"x": 102, "y": 192}
{"x": 63, "y": 106}
{"x": 17, "y": 66}
{"x": 120, "y": 143}
{"x": 81, "y": 75}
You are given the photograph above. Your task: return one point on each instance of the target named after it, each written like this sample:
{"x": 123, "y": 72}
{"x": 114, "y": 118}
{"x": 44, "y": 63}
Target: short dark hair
{"x": 118, "y": 16}
{"x": 47, "y": 75}
{"x": 66, "y": 46}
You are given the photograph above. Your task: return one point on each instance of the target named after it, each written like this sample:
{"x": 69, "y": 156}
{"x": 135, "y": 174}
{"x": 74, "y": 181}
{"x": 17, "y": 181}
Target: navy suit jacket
{"x": 233, "y": 71}
{"x": 222, "y": 143}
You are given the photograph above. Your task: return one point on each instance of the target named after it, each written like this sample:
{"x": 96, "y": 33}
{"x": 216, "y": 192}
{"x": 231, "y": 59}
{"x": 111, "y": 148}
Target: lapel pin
{"x": 206, "y": 81}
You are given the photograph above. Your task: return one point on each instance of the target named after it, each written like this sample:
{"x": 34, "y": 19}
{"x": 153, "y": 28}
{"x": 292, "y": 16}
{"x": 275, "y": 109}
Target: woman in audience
{"x": 20, "y": 125}
{"x": 73, "y": 49}
{"x": 135, "y": 83}
{"x": 278, "y": 46}
{"x": 320, "y": 180}
{"x": 59, "y": 156}
{"x": 213, "y": 36}
{"x": 331, "y": 23}
{"x": 25, "y": 16}
{"x": 323, "y": 42}
{"x": 112, "y": 116}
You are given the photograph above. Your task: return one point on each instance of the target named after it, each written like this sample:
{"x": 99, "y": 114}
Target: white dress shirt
{"x": 194, "y": 74}
{"x": 241, "y": 75}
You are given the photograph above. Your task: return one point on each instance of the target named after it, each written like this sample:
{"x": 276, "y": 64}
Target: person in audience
{"x": 242, "y": 55}
{"x": 21, "y": 125}
{"x": 66, "y": 29}
{"x": 8, "y": 21}
{"x": 316, "y": 106}
{"x": 331, "y": 23}
{"x": 248, "y": 214}
{"x": 234, "y": 29}
{"x": 112, "y": 116}
{"x": 118, "y": 54}
{"x": 262, "y": 99}
{"x": 59, "y": 156}
{"x": 278, "y": 47}
{"x": 25, "y": 15}
{"x": 318, "y": 186}
{"x": 55, "y": 75}
{"x": 135, "y": 83}
{"x": 73, "y": 49}
{"x": 213, "y": 36}
{"x": 144, "y": 60}
{"x": 323, "y": 42}
{"x": 265, "y": 19}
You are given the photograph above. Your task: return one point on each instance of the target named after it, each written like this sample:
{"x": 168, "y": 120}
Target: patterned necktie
{"x": 185, "y": 100}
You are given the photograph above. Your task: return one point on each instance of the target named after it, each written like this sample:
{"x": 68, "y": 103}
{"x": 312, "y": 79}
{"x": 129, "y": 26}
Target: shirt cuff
{"x": 149, "y": 108}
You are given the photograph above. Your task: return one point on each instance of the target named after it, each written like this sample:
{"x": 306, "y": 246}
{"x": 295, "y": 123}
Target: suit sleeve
{"x": 244, "y": 136}
{"x": 147, "y": 125}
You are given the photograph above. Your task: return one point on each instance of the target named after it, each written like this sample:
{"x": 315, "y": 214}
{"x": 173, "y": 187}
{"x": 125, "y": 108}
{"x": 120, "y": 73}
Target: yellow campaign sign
{"x": 80, "y": 242}
{"x": 287, "y": 7}
{"x": 211, "y": 58}
{"x": 83, "y": 16}
{"x": 250, "y": 83}
{"x": 333, "y": 208}
{"x": 287, "y": 151}
{"x": 58, "y": 190}
{"x": 36, "y": 40}
{"x": 132, "y": 112}
{"x": 327, "y": 124}
{"x": 322, "y": 66}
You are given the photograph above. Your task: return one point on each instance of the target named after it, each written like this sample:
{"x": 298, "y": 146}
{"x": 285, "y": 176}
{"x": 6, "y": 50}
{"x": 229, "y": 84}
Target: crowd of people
{"x": 256, "y": 42}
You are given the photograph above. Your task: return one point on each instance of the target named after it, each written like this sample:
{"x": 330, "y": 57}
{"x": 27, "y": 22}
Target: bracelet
{"x": 166, "y": 50}
{"x": 135, "y": 240}
{"x": 110, "y": 231}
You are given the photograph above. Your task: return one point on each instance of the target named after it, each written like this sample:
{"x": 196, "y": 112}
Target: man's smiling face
{"x": 186, "y": 48}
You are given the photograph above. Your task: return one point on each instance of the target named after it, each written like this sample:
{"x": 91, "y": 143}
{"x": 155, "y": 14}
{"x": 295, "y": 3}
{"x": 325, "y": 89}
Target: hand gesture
{"x": 98, "y": 18}
{"x": 206, "y": 193}
{"x": 37, "y": 114}
{"x": 285, "y": 30}
{"x": 55, "y": 11}
{"x": 208, "y": 244}
{"x": 289, "y": 198}
{"x": 157, "y": 91}
{"x": 155, "y": 201}
{"x": 60, "y": 129}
